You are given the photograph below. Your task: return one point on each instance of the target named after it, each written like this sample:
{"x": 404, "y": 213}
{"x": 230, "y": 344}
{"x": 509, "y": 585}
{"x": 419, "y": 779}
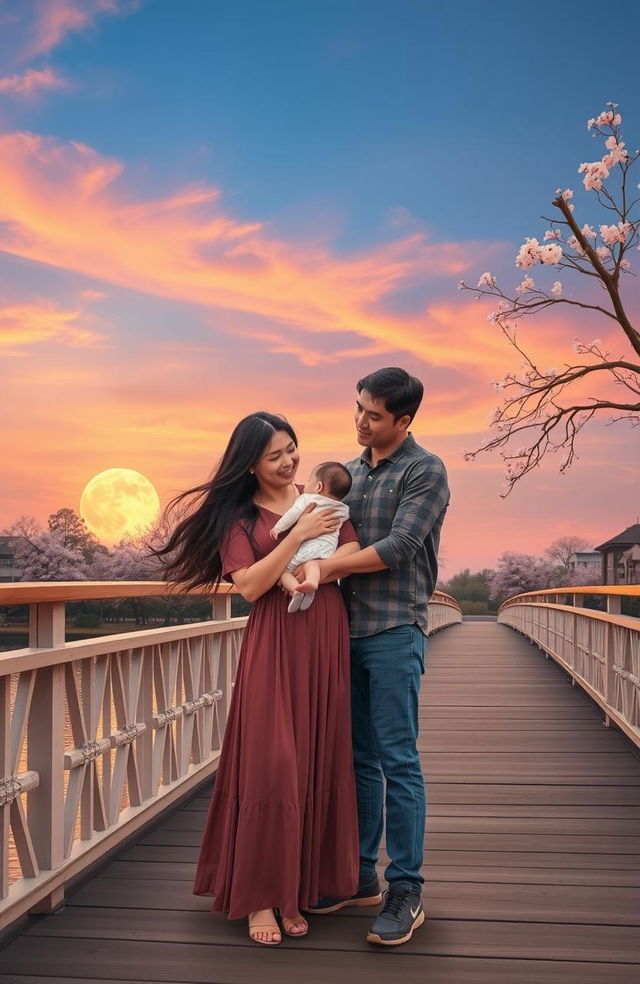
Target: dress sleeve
{"x": 237, "y": 551}
{"x": 348, "y": 534}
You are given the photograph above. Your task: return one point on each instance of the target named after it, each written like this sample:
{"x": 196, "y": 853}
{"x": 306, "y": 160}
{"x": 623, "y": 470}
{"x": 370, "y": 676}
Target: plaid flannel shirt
{"x": 398, "y": 508}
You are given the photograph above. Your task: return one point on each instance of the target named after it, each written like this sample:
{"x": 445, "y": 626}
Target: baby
{"x": 328, "y": 484}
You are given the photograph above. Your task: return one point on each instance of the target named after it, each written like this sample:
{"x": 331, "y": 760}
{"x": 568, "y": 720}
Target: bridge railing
{"x": 99, "y": 736}
{"x": 600, "y": 650}
{"x": 443, "y": 611}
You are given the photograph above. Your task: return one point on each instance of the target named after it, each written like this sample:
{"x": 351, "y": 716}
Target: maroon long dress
{"x": 282, "y": 826}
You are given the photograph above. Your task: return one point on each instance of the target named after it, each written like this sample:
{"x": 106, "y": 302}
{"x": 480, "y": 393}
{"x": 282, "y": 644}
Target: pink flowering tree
{"x": 544, "y": 409}
{"x": 516, "y": 573}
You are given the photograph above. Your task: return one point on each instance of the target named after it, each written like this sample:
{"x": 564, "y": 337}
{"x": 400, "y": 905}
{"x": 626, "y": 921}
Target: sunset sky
{"x": 209, "y": 207}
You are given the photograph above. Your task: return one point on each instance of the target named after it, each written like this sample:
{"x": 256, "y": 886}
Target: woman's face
{"x": 279, "y": 462}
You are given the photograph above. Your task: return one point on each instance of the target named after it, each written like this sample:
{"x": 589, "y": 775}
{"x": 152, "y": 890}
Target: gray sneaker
{"x": 401, "y": 913}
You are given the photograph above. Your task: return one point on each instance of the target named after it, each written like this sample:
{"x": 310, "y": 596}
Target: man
{"x": 398, "y": 501}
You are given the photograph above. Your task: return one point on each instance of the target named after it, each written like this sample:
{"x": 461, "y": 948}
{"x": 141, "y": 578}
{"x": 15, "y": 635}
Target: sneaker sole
{"x": 371, "y": 900}
{"x": 374, "y": 938}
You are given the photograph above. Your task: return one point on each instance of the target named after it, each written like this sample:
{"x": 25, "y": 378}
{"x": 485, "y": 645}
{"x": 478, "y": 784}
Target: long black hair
{"x": 191, "y": 555}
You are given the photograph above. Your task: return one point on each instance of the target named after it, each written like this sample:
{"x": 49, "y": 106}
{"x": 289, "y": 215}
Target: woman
{"x": 282, "y": 826}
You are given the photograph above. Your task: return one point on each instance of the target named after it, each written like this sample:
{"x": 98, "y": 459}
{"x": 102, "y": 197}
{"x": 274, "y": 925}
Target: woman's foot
{"x": 298, "y": 926}
{"x": 263, "y": 927}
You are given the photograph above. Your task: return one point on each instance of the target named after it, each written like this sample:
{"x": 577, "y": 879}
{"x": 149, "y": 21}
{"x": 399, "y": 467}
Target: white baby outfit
{"x": 319, "y": 547}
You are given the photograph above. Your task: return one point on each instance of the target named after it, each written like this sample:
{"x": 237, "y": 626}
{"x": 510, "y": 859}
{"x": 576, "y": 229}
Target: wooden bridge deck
{"x": 533, "y": 857}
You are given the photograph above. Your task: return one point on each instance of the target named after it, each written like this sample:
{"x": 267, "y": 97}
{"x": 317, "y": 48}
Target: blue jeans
{"x": 385, "y": 684}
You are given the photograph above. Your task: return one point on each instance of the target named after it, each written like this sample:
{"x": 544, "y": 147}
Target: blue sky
{"x": 364, "y": 154}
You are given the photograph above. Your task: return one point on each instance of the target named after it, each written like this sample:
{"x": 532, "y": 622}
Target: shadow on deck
{"x": 532, "y": 860}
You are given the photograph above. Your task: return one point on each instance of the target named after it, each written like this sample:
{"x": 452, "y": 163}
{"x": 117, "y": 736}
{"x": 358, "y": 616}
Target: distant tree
{"x": 517, "y": 573}
{"x": 472, "y": 590}
{"x": 71, "y": 532}
{"x": 562, "y": 550}
{"x": 42, "y": 556}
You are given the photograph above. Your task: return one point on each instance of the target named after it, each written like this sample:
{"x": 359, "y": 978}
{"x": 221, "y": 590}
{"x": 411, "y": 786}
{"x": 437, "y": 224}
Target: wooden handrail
{"x": 35, "y": 592}
{"x": 624, "y": 590}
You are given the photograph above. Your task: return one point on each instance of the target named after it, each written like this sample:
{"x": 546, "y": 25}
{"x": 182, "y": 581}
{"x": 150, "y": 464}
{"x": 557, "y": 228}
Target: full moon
{"x": 117, "y": 502}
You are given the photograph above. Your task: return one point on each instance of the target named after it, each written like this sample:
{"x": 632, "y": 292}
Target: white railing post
{"x": 45, "y": 747}
{"x": 221, "y": 607}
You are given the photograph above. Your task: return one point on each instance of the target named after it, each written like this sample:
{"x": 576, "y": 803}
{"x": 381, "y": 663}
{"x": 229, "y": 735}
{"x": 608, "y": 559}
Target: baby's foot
{"x": 296, "y": 602}
{"x": 308, "y": 586}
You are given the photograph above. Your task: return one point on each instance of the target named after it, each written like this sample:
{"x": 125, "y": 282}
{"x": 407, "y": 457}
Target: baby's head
{"x": 330, "y": 478}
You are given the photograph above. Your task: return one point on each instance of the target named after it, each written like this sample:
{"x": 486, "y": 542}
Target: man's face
{"x": 375, "y": 425}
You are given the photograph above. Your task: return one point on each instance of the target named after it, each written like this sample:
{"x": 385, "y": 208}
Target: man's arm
{"x": 425, "y": 495}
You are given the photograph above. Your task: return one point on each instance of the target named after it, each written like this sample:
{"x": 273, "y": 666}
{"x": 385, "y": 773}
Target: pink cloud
{"x": 55, "y": 19}
{"x": 31, "y": 82}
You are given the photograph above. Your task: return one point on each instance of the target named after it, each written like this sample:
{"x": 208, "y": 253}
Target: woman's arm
{"x": 254, "y": 581}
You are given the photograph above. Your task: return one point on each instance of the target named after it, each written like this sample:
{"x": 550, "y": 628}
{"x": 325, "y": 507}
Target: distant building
{"x": 9, "y": 570}
{"x": 621, "y": 557}
{"x": 585, "y": 562}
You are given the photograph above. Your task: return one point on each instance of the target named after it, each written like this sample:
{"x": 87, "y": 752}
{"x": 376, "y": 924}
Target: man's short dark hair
{"x": 402, "y": 393}
{"x": 335, "y": 478}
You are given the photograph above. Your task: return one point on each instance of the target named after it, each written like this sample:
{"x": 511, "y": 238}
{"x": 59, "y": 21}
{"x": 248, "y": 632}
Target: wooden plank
{"x": 534, "y": 810}
{"x": 544, "y": 940}
{"x": 555, "y": 875}
{"x": 168, "y": 963}
{"x": 534, "y": 825}
{"x": 455, "y": 823}
{"x": 518, "y": 793}
{"x": 478, "y": 742}
{"x": 460, "y": 900}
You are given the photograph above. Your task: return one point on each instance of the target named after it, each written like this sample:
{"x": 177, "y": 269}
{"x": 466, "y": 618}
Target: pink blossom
{"x": 567, "y": 194}
{"x": 609, "y": 118}
{"x": 588, "y": 232}
{"x": 573, "y": 243}
{"x": 556, "y": 290}
{"x": 525, "y": 285}
{"x": 487, "y": 280}
{"x": 591, "y": 123}
{"x": 617, "y": 152}
{"x": 594, "y": 174}
{"x": 603, "y": 252}
{"x": 528, "y": 254}
{"x": 551, "y": 253}
{"x": 624, "y": 264}
{"x": 552, "y": 234}
{"x": 615, "y": 233}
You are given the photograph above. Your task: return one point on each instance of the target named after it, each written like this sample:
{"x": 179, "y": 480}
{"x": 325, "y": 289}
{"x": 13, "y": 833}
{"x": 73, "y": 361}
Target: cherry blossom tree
{"x": 562, "y": 550}
{"x": 516, "y": 573}
{"x": 544, "y": 409}
{"x": 41, "y": 555}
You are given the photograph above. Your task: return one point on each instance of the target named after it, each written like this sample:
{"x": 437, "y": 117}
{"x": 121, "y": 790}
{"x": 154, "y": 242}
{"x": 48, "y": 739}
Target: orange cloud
{"x": 26, "y": 324}
{"x": 63, "y": 205}
{"x": 30, "y": 82}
